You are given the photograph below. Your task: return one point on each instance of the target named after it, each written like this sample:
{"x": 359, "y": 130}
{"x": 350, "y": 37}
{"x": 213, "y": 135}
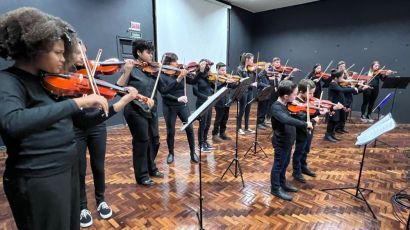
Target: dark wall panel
{"x": 355, "y": 31}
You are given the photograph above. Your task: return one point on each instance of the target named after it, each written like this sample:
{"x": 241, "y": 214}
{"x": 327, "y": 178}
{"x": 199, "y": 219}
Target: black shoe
{"x": 170, "y": 158}
{"x": 308, "y": 172}
{"x": 266, "y": 126}
{"x": 289, "y": 188}
{"x": 216, "y": 139}
{"x": 334, "y": 137}
{"x": 299, "y": 177}
{"x": 339, "y": 131}
{"x": 157, "y": 174}
{"x": 281, "y": 194}
{"x": 344, "y": 130}
{"x": 86, "y": 220}
{"x": 329, "y": 138}
{"x": 147, "y": 182}
{"x": 104, "y": 210}
{"x": 225, "y": 137}
{"x": 260, "y": 126}
{"x": 194, "y": 157}
{"x": 205, "y": 149}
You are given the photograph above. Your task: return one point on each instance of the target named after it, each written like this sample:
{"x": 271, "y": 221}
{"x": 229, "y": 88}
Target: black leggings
{"x": 95, "y": 139}
{"x": 221, "y": 119}
{"x": 170, "y": 115}
{"x": 244, "y": 108}
{"x": 204, "y": 126}
{"x": 262, "y": 111}
{"x": 369, "y": 97}
{"x": 145, "y": 143}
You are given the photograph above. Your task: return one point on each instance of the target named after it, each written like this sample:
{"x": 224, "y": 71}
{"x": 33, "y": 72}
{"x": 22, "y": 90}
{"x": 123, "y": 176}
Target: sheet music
{"x": 211, "y": 100}
{"x": 381, "y": 127}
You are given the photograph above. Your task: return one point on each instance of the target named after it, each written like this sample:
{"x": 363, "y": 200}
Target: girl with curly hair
{"x": 41, "y": 178}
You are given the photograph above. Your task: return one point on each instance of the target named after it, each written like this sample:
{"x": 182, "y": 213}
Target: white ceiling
{"x": 264, "y": 5}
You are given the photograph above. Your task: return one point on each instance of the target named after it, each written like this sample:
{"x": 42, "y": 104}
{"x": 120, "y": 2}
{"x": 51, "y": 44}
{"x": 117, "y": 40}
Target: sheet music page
{"x": 383, "y": 126}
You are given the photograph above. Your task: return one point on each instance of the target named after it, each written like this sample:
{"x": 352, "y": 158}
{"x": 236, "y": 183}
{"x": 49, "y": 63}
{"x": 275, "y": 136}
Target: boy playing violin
{"x": 284, "y": 134}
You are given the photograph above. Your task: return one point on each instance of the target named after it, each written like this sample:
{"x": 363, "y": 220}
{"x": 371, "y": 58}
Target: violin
{"x": 108, "y": 67}
{"x": 256, "y": 66}
{"x": 323, "y": 103}
{"x": 285, "y": 69}
{"x": 223, "y": 78}
{"x": 170, "y": 70}
{"x": 361, "y": 77}
{"x": 323, "y": 75}
{"x": 383, "y": 72}
{"x": 76, "y": 85}
{"x": 302, "y": 107}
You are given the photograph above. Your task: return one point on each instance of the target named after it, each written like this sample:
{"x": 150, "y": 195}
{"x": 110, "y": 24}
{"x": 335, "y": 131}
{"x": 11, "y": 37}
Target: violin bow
{"x": 87, "y": 68}
{"x": 97, "y": 61}
{"x": 156, "y": 81}
{"x": 256, "y": 71}
{"x": 184, "y": 83}
{"x": 327, "y": 67}
{"x": 320, "y": 100}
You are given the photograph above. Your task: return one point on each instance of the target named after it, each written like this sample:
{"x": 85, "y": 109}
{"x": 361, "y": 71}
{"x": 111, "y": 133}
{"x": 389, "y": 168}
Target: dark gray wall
{"x": 355, "y": 31}
{"x": 97, "y": 22}
{"x": 240, "y": 35}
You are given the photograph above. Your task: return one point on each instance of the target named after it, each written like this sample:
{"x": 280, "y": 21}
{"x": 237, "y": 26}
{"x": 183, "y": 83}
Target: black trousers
{"x": 95, "y": 139}
{"x": 331, "y": 126}
{"x": 262, "y": 111}
{"x": 45, "y": 203}
{"x": 302, "y": 148}
{"x": 204, "y": 126}
{"x": 280, "y": 164}
{"x": 369, "y": 98}
{"x": 145, "y": 142}
{"x": 170, "y": 115}
{"x": 244, "y": 108}
{"x": 221, "y": 119}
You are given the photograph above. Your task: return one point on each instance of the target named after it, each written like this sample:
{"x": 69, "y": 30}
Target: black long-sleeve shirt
{"x": 37, "y": 130}
{"x": 376, "y": 80}
{"x": 284, "y": 125}
{"x": 170, "y": 97}
{"x": 203, "y": 88}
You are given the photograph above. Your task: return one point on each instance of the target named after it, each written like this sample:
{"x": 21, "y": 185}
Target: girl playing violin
{"x": 202, "y": 90}
{"x": 41, "y": 175}
{"x": 174, "y": 104}
{"x": 318, "y": 77}
{"x": 244, "y": 108}
{"x": 370, "y": 94}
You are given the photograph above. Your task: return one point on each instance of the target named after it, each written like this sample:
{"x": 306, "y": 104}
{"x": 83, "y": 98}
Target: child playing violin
{"x": 202, "y": 90}
{"x": 142, "y": 121}
{"x": 337, "y": 95}
{"x": 318, "y": 77}
{"x": 303, "y": 137}
{"x": 41, "y": 178}
{"x": 282, "y": 72}
{"x": 370, "y": 95}
{"x": 174, "y": 104}
{"x": 284, "y": 134}
{"x": 222, "y": 107}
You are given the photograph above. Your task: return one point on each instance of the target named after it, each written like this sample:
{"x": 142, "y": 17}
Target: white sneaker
{"x": 104, "y": 210}
{"x": 241, "y": 132}
{"x": 250, "y": 131}
{"x": 369, "y": 119}
{"x": 86, "y": 220}
{"x": 363, "y": 118}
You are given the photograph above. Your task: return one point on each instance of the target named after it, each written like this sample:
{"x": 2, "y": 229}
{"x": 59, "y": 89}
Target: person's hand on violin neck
{"x": 92, "y": 101}
{"x": 183, "y": 74}
{"x": 129, "y": 64}
{"x": 183, "y": 99}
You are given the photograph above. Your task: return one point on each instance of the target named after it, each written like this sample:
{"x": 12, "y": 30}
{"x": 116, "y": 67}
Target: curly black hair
{"x": 26, "y": 32}
{"x": 141, "y": 45}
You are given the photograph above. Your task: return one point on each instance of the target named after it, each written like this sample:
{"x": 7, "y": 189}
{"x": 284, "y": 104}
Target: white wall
{"x": 193, "y": 29}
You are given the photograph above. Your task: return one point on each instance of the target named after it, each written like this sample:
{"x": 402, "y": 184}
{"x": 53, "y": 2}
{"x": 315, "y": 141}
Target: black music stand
{"x": 236, "y": 95}
{"x": 379, "y": 107}
{"x": 385, "y": 125}
{"x": 395, "y": 83}
{"x": 197, "y": 115}
{"x": 263, "y": 95}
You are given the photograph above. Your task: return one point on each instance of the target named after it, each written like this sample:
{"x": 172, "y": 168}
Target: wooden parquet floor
{"x": 172, "y": 203}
